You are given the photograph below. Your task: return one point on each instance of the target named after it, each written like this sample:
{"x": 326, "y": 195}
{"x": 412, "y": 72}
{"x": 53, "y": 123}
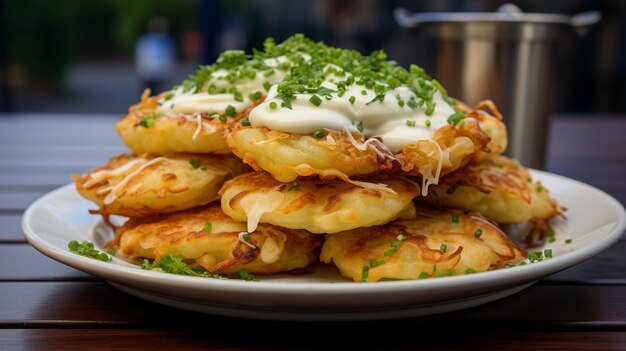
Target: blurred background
{"x": 97, "y": 56}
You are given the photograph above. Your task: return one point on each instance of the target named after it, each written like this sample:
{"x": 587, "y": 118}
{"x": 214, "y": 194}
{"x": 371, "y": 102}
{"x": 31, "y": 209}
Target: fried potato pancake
{"x": 147, "y": 185}
{"x": 144, "y": 130}
{"x": 434, "y": 244}
{"x": 342, "y": 155}
{"x": 499, "y": 188}
{"x": 314, "y": 205}
{"x": 222, "y": 249}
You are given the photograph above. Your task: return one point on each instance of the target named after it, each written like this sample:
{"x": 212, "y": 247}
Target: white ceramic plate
{"x": 594, "y": 222}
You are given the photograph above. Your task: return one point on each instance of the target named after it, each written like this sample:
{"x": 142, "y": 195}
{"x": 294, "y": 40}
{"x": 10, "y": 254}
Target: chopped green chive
{"x": 273, "y": 105}
{"x": 395, "y": 244}
{"x": 111, "y": 251}
{"x": 430, "y": 109}
{"x": 539, "y": 188}
{"x": 568, "y": 241}
{"x": 428, "y": 123}
{"x": 551, "y": 239}
{"x": 456, "y": 117}
{"x": 315, "y": 100}
{"x": 455, "y": 219}
{"x": 478, "y": 233}
{"x": 245, "y": 122}
{"x": 194, "y": 162}
{"x": 469, "y": 271}
{"x": 509, "y": 265}
{"x": 247, "y": 237}
{"x": 328, "y": 97}
{"x": 352, "y": 99}
{"x": 440, "y": 274}
{"x": 208, "y": 226}
{"x": 443, "y": 248}
{"x": 365, "y": 272}
{"x": 423, "y": 275}
{"x": 547, "y": 253}
{"x": 308, "y": 64}
{"x": 223, "y": 118}
{"x": 255, "y": 96}
{"x": 410, "y": 123}
{"x": 359, "y": 126}
{"x": 535, "y": 256}
{"x": 318, "y": 134}
{"x": 374, "y": 262}
{"x": 238, "y": 96}
{"x": 230, "y": 111}
{"x": 294, "y": 186}
{"x": 400, "y": 100}
{"x": 148, "y": 120}
{"x": 379, "y": 98}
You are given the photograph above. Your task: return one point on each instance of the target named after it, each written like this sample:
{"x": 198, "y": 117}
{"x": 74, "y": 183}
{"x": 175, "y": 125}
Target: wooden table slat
{"x": 28, "y": 264}
{"x": 42, "y": 303}
{"x": 10, "y": 228}
{"x": 208, "y": 339}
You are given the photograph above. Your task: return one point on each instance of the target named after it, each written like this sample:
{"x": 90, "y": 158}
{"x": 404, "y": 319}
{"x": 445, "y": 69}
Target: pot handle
{"x": 583, "y": 21}
{"x": 405, "y": 18}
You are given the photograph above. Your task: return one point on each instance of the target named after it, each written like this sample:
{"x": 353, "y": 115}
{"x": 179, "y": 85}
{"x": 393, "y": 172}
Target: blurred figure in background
{"x": 155, "y": 56}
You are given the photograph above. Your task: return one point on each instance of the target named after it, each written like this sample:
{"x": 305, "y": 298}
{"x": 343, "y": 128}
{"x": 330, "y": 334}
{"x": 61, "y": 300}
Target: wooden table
{"x": 46, "y": 305}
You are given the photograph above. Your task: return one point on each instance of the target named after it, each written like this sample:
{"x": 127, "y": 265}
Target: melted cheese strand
{"x": 99, "y": 176}
{"x": 255, "y": 206}
{"x": 199, "y": 121}
{"x": 428, "y": 180}
{"x": 240, "y": 238}
{"x": 388, "y": 153}
{"x": 111, "y": 195}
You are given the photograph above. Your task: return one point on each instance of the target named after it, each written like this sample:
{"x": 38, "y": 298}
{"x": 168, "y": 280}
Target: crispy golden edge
{"x": 461, "y": 144}
{"x": 175, "y": 229}
{"x": 342, "y": 158}
{"x": 148, "y": 105}
{"x": 496, "y": 173}
{"x": 95, "y": 193}
{"x": 308, "y": 187}
{"x": 355, "y": 248}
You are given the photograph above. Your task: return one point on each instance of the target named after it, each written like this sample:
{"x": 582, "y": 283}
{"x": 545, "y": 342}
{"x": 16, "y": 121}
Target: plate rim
{"x": 519, "y": 275}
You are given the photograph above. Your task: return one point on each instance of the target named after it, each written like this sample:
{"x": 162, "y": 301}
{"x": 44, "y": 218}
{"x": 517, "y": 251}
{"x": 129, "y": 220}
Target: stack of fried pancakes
{"x": 225, "y": 196}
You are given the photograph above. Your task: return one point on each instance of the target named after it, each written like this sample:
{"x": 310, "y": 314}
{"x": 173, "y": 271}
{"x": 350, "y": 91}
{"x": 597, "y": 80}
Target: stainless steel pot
{"x": 506, "y": 56}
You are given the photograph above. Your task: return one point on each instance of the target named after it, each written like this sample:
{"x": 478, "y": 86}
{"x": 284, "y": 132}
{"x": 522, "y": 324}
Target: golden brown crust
{"x": 315, "y": 205}
{"x": 436, "y": 243}
{"x": 288, "y": 156}
{"x": 147, "y": 185}
{"x": 220, "y": 250}
{"x": 499, "y": 188}
{"x": 174, "y": 132}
